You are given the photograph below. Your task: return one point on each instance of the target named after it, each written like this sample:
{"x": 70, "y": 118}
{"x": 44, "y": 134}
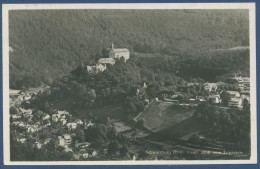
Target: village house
{"x": 211, "y": 87}
{"x": 104, "y": 61}
{"x": 200, "y": 98}
{"x": 235, "y": 102}
{"x": 24, "y": 111}
{"x": 63, "y": 112}
{"x": 67, "y": 149}
{"x": 215, "y": 99}
{"x": 76, "y": 156}
{"x": 71, "y": 126}
{"x": 91, "y": 69}
{"x": 28, "y": 115}
{"x": 46, "y": 141}
{"x": 84, "y": 154}
{"x": 61, "y": 141}
{"x": 192, "y": 100}
{"x": 88, "y": 124}
{"x": 146, "y": 101}
{"x": 32, "y": 129}
{"x": 59, "y": 115}
{"x": 233, "y": 94}
{"x": 64, "y": 140}
{"x": 79, "y": 122}
{"x": 245, "y": 97}
{"x": 23, "y": 125}
{"x": 38, "y": 145}
{"x": 243, "y": 84}
{"x": 82, "y": 145}
{"x": 13, "y": 92}
{"x": 16, "y": 117}
{"x": 67, "y": 139}
{"x": 101, "y": 67}
{"x": 118, "y": 53}
{"x": 16, "y": 123}
{"x": 19, "y": 98}
{"x": 46, "y": 123}
{"x": 46, "y": 116}
{"x": 92, "y": 153}
{"x": 21, "y": 140}
{"x": 191, "y": 84}
{"x": 27, "y": 97}
{"x": 55, "y": 118}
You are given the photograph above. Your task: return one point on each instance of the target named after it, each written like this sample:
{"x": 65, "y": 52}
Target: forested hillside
{"x": 50, "y": 43}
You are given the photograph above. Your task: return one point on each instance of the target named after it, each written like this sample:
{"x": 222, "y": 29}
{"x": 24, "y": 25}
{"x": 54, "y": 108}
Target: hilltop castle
{"x": 113, "y": 54}
{"x": 118, "y": 53}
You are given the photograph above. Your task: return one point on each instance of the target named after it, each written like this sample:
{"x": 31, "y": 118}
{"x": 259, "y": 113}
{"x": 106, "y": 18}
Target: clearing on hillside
{"x": 162, "y": 115}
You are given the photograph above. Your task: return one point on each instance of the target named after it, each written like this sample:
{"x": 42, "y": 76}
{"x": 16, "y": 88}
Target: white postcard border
{"x": 5, "y": 63}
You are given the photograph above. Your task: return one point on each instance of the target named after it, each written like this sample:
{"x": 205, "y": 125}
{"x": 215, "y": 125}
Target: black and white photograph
{"x": 129, "y": 84}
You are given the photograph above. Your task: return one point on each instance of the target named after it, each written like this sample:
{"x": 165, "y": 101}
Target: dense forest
{"x": 48, "y": 44}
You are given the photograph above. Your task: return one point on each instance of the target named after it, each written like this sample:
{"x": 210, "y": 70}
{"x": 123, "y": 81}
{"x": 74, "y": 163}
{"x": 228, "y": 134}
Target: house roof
{"x": 85, "y": 143}
{"x": 89, "y": 68}
{"x": 214, "y": 96}
{"x": 242, "y": 79}
{"x": 235, "y": 100}
{"x": 62, "y": 112}
{"x": 74, "y": 123}
{"x": 66, "y": 136}
{"x": 245, "y": 96}
{"x": 233, "y": 92}
{"x": 211, "y": 84}
{"x": 119, "y": 50}
{"x": 106, "y": 61}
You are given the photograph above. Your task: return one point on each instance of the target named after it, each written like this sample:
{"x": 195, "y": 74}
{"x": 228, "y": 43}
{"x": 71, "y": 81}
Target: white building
{"x": 91, "y": 69}
{"x": 210, "y": 87}
{"x": 61, "y": 141}
{"x": 119, "y": 53}
{"x": 55, "y": 118}
{"x": 243, "y": 84}
{"x": 110, "y": 61}
{"x": 32, "y": 129}
{"x": 214, "y": 99}
{"x": 65, "y": 140}
{"x": 71, "y": 126}
{"x": 79, "y": 122}
{"x": 63, "y": 112}
{"x": 233, "y": 94}
{"x": 235, "y": 102}
{"x": 46, "y": 117}
{"x": 84, "y": 154}
{"x": 22, "y": 140}
{"x": 38, "y": 145}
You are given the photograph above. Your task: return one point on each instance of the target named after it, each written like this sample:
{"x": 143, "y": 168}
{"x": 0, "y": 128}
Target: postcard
{"x": 129, "y": 84}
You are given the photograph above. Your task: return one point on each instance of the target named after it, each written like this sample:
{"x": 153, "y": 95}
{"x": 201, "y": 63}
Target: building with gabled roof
{"x": 233, "y": 94}
{"x": 118, "y": 53}
{"x": 235, "y": 102}
{"x": 106, "y": 61}
{"x": 214, "y": 99}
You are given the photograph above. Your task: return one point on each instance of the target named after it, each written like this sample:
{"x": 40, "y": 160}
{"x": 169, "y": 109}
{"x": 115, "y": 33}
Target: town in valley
{"x": 133, "y": 100}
